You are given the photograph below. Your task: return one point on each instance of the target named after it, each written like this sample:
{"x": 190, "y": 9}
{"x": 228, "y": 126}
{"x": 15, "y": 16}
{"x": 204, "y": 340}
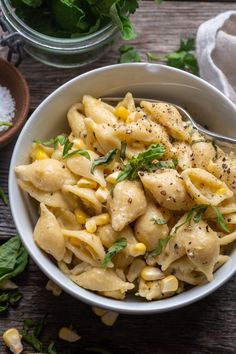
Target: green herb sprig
{"x": 64, "y": 141}
{"x": 183, "y": 58}
{"x": 141, "y": 162}
{"x": 117, "y": 247}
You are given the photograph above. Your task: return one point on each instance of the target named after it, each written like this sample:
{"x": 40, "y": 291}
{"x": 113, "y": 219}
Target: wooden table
{"x": 206, "y": 327}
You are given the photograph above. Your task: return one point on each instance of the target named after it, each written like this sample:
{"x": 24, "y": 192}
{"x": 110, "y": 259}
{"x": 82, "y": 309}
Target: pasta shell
{"x": 186, "y": 271}
{"x": 196, "y": 240}
{"x": 81, "y": 166}
{"x": 48, "y": 175}
{"x": 48, "y": 235}
{"x": 146, "y": 230}
{"x": 96, "y": 110}
{"x": 204, "y": 187}
{"x": 168, "y": 116}
{"x": 168, "y": 189}
{"x": 87, "y": 241}
{"x": 87, "y": 196}
{"x": 97, "y": 279}
{"x": 76, "y": 121}
{"x": 54, "y": 199}
{"x": 183, "y": 153}
{"x": 224, "y": 168}
{"x": 127, "y": 204}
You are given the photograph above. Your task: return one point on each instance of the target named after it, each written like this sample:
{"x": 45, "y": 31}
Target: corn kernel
{"x": 40, "y": 154}
{"x": 81, "y": 217}
{"x": 102, "y": 194}
{"x": 98, "y": 311}
{"x": 91, "y": 225}
{"x": 168, "y": 284}
{"x": 152, "y": 273}
{"x": 221, "y": 191}
{"x": 121, "y": 112}
{"x": 102, "y": 219}
{"x": 68, "y": 335}
{"x": 109, "y": 318}
{"x": 12, "y": 340}
{"x": 138, "y": 250}
{"x": 87, "y": 183}
{"x": 112, "y": 177}
{"x": 54, "y": 288}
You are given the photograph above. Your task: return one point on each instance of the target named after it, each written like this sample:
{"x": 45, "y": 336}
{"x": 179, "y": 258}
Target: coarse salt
{"x": 7, "y": 107}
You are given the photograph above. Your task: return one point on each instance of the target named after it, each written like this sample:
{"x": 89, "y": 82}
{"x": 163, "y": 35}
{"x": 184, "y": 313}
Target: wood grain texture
{"x": 206, "y": 327}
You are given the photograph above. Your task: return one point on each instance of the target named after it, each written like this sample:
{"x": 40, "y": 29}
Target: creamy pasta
{"x": 133, "y": 200}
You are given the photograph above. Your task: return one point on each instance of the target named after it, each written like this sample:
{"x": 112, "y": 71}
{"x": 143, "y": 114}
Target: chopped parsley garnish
{"x": 117, "y": 247}
{"x": 105, "y": 160}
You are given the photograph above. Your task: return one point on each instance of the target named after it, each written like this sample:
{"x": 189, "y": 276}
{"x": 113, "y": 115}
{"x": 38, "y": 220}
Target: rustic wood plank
{"x": 206, "y": 327}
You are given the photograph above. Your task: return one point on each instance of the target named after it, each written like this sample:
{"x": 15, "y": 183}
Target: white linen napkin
{"x": 216, "y": 52}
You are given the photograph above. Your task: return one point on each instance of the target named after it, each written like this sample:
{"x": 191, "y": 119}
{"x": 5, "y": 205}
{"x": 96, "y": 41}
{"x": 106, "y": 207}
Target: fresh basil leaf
{"x": 187, "y": 46}
{"x": 117, "y": 247}
{"x": 80, "y": 152}
{"x": 105, "y": 160}
{"x": 158, "y": 221}
{"x": 31, "y": 332}
{"x": 141, "y": 162}
{"x": 123, "y": 150}
{"x": 3, "y": 196}
{"x": 199, "y": 214}
{"x": 196, "y": 213}
{"x": 14, "y": 297}
{"x": 52, "y": 349}
{"x": 220, "y": 219}
{"x": 125, "y": 48}
{"x": 9, "y": 298}
{"x": 20, "y": 264}
{"x": 163, "y": 164}
{"x": 33, "y": 341}
{"x": 158, "y": 2}
{"x": 8, "y": 254}
{"x": 59, "y": 139}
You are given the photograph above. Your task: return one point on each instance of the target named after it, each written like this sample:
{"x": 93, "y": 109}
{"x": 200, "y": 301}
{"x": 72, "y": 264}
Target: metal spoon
{"x": 219, "y": 139}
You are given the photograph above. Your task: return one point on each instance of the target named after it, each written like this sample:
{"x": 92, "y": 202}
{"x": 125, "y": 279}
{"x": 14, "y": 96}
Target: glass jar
{"x": 60, "y": 52}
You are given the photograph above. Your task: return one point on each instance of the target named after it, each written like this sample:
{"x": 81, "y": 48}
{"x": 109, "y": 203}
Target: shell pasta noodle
{"x": 133, "y": 201}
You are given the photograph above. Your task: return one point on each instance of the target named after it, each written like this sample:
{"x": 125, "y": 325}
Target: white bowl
{"x": 143, "y": 80}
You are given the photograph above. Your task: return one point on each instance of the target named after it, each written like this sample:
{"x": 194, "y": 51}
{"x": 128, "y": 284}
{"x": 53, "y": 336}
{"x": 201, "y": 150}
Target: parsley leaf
{"x": 3, "y": 196}
{"x": 158, "y": 221}
{"x": 128, "y": 54}
{"x": 183, "y": 58}
{"x": 117, "y": 247}
{"x": 108, "y": 158}
{"x": 141, "y": 162}
{"x": 220, "y": 219}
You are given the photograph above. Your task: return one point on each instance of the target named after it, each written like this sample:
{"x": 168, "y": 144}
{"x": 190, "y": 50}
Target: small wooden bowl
{"x": 12, "y": 79}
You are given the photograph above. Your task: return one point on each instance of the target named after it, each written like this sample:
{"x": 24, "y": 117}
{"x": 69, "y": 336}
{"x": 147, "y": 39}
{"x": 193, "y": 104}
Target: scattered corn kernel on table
{"x": 206, "y": 327}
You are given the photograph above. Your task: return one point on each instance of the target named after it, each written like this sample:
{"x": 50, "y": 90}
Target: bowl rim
{"x": 9, "y": 134}
{"x": 155, "y": 306}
